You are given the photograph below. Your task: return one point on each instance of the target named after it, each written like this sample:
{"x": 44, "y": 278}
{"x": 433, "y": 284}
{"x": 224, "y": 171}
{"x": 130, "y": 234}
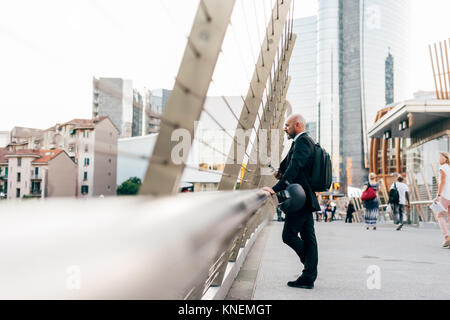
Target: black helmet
{"x": 293, "y": 199}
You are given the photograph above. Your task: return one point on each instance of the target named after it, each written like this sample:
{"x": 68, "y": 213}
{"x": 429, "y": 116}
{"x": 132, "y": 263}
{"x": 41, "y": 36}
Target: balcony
{"x": 35, "y": 176}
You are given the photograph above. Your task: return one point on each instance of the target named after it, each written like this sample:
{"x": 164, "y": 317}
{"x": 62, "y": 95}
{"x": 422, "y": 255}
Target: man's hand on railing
{"x": 268, "y": 190}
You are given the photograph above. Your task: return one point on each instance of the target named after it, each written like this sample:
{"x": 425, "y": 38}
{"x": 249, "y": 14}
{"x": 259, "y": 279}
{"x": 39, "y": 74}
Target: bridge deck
{"x": 412, "y": 265}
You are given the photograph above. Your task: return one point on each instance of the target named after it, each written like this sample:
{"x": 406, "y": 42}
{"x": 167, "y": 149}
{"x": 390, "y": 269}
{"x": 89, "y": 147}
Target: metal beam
{"x": 257, "y": 85}
{"x": 274, "y": 110}
{"x": 186, "y": 101}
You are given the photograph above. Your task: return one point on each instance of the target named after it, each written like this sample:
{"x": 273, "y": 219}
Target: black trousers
{"x": 306, "y": 246}
{"x": 349, "y": 218}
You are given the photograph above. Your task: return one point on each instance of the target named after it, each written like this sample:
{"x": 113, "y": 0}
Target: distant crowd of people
{"x": 399, "y": 201}
{"x": 327, "y": 211}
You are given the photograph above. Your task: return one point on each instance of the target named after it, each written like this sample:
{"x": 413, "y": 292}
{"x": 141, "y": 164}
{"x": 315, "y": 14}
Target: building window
{"x": 18, "y": 193}
{"x": 19, "y": 162}
{"x": 18, "y": 177}
{"x": 109, "y": 160}
{"x": 36, "y": 171}
{"x": 35, "y": 187}
{"x": 109, "y": 174}
{"x": 84, "y": 190}
{"x": 86, "y": 134}
{"x": 86, "y": 162}
{"x": 86, "y": 148}
{"x": 85, "y": 176}
{"x": 6, "y": 172}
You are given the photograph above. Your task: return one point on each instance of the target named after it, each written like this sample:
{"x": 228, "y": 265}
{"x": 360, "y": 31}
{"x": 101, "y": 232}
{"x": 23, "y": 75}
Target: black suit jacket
{"x": 296, "y": 168}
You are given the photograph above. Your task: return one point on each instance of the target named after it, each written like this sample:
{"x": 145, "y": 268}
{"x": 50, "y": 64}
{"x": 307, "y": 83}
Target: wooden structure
{"x": 382, "y": 152}
{"x": 440, "y": 63}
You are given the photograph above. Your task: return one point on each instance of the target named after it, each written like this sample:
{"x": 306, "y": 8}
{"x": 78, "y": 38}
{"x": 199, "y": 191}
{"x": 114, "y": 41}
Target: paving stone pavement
{"x": 411, "y": 264}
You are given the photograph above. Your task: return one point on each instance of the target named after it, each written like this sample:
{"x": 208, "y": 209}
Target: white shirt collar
{"x": 298, "y": 136}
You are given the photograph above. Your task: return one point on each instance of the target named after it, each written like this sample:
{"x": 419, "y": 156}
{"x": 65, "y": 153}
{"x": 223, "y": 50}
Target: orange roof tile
{"x": 47, "y": 155}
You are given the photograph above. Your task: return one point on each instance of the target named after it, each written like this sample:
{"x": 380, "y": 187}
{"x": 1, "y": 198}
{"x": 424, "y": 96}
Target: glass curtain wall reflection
{"x": 357, "y": 39}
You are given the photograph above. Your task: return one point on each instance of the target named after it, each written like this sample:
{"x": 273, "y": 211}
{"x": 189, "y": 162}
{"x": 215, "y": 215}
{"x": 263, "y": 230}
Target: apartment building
{"x": 39, "y": 174}
{"x": 92, "y": 144}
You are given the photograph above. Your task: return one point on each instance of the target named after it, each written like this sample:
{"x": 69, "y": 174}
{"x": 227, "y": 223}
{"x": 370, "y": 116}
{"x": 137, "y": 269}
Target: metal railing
{"x": 125, "y": 248}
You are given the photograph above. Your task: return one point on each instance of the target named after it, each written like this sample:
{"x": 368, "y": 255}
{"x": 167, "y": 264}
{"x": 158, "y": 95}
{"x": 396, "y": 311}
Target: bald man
{"x": 295, "y": 169}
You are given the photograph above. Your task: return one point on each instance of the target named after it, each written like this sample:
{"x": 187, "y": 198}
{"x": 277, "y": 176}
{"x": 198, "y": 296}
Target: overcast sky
{"x": 51, "y": 49}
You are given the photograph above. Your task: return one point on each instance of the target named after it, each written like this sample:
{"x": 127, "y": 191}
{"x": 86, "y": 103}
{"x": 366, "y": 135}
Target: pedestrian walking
{"x": 399, "y": 198}
{"x": 333, "y": 211}
{"x": 325, "y": 212}
{"x": 350, "y": 211}
{"x": 371, "y": 203}
{"x": 443, "y": 195}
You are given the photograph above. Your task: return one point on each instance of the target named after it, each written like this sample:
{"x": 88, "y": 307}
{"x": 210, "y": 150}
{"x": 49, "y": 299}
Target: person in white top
{"x": 399, "y": 209}
{"x": 444, "y": 195}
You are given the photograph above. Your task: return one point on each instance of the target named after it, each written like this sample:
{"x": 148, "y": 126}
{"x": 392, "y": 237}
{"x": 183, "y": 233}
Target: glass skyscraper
{"x": 362, "y": 64}
{"x": 303, "y": 71}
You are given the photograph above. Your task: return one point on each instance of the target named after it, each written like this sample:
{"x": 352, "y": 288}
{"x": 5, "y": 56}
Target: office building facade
{"x": 302, "y": 91}
{"x": 362, "y": 63}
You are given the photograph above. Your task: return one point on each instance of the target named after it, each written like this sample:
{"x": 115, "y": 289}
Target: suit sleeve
{"x": 283, "y": 166}
{"x": 302, "y": 152}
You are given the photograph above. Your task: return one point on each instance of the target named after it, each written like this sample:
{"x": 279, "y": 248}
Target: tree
{"x": 129, "y": 187}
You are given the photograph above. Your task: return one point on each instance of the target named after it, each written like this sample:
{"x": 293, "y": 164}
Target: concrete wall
{"x": 61, "y": 177}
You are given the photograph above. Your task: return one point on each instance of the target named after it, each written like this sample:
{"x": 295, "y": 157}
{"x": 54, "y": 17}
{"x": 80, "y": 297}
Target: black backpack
{"x": 321, "y": 173}
{"x": 394, "y": 196}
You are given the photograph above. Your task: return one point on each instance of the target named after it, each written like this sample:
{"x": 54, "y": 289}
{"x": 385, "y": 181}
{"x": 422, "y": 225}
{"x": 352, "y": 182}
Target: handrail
{"x": 118, "y": 248}
{"x": 416, "y": 203}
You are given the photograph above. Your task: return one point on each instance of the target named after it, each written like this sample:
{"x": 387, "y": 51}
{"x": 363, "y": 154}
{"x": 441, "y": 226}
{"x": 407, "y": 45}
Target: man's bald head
{"x": 295, "y": 125}
{"x": 298, "y": 118}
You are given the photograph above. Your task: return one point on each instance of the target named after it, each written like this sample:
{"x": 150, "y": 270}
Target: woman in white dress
{"x": 444, "y": 195}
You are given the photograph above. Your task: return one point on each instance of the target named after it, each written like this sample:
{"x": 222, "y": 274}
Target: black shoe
{"x": 400, "y": 227}
{"x": 301, "y": 283}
